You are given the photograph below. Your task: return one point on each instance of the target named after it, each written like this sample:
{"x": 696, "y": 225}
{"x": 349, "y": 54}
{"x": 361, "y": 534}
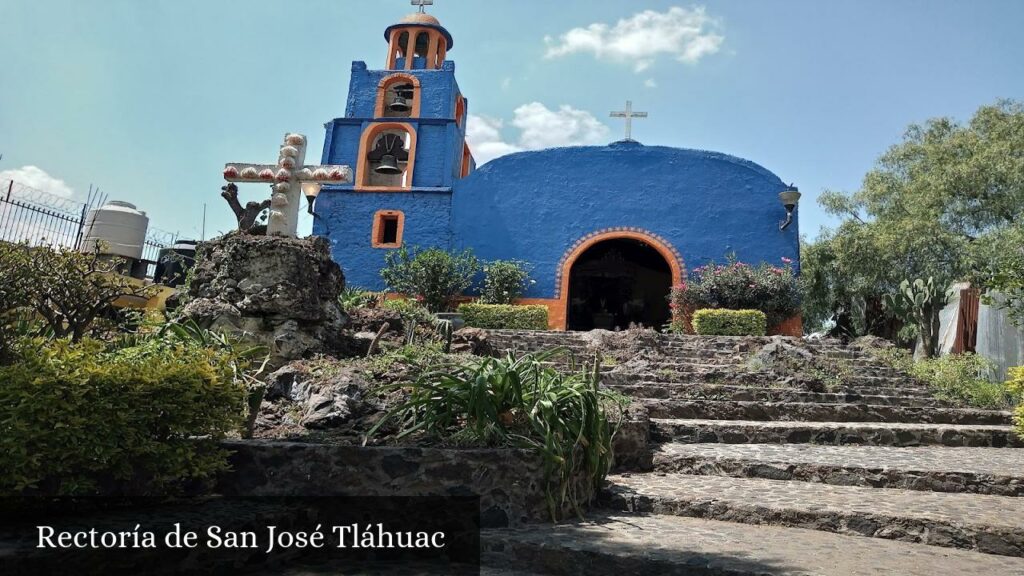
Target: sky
{"x": 149, "y": 99}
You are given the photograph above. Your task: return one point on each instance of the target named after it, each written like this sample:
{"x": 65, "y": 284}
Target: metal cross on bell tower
{"x": 423, "y": 4}
{"x": 628, "y": 114}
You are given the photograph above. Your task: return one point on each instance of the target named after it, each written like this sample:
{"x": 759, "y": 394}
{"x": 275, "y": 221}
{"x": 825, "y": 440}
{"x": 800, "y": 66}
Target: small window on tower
{"x": 387, "y": 229}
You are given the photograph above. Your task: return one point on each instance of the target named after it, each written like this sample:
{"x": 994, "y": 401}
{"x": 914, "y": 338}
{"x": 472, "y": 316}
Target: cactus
{"x": 918, "y": 304}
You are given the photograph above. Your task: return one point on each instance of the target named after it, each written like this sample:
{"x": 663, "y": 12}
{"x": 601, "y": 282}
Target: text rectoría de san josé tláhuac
{"x": 352, "y": 536}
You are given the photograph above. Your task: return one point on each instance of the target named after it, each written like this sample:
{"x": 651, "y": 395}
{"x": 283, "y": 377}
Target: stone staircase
{"x": 748, "y": 475}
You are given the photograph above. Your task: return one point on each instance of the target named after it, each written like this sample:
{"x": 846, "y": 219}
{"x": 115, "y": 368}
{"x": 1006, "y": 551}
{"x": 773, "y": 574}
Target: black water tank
{"x": 174, "y": 263}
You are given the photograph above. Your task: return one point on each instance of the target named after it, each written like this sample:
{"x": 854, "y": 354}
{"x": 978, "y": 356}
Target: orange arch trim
{"x": 385, "y": 84}
{"x": 369, "y": 135}
{"x": 559, "y": 309}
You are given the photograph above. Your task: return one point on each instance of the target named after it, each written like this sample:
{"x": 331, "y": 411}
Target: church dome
{"x": 421, "y": 18}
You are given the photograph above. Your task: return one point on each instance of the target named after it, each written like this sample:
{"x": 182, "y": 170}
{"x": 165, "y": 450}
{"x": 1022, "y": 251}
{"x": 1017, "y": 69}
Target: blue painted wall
{"x": 346, "y": 219}
{"x": 534, "y": 205}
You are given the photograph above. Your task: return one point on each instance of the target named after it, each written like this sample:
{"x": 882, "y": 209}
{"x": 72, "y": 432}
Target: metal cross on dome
{"x": 628, "y": 114}
{"x": 423, "y": 4}
{"x": 287, "y": 178}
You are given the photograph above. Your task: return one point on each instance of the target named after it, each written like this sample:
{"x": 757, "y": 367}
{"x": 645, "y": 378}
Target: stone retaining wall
{"x": 509, "y": 482}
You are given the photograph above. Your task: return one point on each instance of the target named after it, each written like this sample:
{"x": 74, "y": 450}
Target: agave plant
{"x": 520, "y": 402}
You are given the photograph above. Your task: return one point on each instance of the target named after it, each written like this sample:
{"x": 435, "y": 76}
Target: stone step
{"x": 832, "y": 433}
{"x": 979, "y": 522}
{"x": 757, "y": 394}
{"x": 857, "y": 384}
{"x": 716, "y": 373}
{"x": 617, "y": 544}
{"x": 525, "y": 338}
{"x": 855, "y": 372}
{"x": 994, "y": 471}
{"x": 712, "y": 355}
{"x": 919, "y": 391}
{"x": 689, "y": 359}
{"x": 814, "y": 412}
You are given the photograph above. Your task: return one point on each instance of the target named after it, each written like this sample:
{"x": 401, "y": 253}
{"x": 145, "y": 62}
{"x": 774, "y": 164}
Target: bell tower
{"x": 404, "y": 132}
{"x": 418, "y": 42}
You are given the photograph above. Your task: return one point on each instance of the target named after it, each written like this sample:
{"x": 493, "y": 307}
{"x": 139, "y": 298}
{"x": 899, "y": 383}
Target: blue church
{"x": 607, "y": 230}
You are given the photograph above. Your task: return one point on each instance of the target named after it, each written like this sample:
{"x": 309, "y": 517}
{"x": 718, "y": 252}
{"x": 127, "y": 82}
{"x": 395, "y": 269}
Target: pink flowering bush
{"x": 737, "y": 286}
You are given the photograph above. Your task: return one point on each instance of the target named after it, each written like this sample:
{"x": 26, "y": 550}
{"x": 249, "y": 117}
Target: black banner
{"x": 374, "y": 535}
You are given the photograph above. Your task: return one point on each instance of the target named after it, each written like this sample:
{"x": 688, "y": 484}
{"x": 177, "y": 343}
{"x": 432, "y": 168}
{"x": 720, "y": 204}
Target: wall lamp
{"x": 311, "y": 190}
{"x": 789, "y": 197}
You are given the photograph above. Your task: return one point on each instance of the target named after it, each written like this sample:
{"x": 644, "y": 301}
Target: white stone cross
{"x": 287, "y": 177}
{"x": 628, "y": 114}
{"x": 422, "y": 4}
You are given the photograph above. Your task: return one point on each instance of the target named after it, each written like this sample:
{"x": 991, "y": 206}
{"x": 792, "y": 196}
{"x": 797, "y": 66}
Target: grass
{"x": 519, "y": 402}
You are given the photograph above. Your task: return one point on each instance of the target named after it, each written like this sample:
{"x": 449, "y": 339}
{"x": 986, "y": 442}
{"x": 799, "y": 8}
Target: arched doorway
{"x": 616, "y": 282}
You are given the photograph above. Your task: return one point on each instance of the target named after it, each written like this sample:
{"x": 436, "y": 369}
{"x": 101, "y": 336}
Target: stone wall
{"x": 510, "y": 483}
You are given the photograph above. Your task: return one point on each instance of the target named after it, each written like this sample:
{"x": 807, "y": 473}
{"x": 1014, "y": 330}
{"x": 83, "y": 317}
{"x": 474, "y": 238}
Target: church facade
{"x": 606, "y": 230}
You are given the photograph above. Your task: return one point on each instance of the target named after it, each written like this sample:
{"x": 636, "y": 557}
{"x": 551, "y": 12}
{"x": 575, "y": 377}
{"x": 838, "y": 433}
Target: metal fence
{"x": 40, "y": 218}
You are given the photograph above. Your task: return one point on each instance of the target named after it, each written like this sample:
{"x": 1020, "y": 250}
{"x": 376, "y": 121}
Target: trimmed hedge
{"x": 79, "y": 421}
{"x": 722, "y": 322}
{"x": 505, "y": 316}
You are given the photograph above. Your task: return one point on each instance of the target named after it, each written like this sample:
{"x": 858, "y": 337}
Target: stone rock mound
{"x": 278, "y": 292}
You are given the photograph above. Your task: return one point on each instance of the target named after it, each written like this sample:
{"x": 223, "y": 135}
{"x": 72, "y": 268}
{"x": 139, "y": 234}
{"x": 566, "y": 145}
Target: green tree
{"x": 927, "y": 208}
{"x": 999, "y": 266}
{"x": 68, "y": 290}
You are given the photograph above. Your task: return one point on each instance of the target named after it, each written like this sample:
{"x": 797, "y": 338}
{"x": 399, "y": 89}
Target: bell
{"x": 388, "y": 165}
{"x": 399, "y": 104}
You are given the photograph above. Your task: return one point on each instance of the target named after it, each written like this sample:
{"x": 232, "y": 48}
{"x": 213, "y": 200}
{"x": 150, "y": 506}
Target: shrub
{"x": 1015, "y": 386}
{"x": 77, "y": 420}
{"x": 433, "y": 276}
{"x": 410, "y": 310}
{"x": 714, "y": 322}
{"x": 738, "y": 286}
{"x": 15, "y": 279}
{"x": 505, "y": 316}
{"x": 504, "y": 281}
{"x": 963, "y": 378}
{"x": 519, "y": 402}
{"x": 959, "y": 378}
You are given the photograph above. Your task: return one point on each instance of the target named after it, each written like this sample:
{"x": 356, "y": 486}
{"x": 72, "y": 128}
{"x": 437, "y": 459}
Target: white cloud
{"x": 539, "y": 127}
{"x": 484, "y": 137}
{"x": 35, "y": 177}
{"x": 505, "y": 83}
{"x": 687, "y": 34}
{"x": 650, "y": 83}
{"x": 567, "y": 126}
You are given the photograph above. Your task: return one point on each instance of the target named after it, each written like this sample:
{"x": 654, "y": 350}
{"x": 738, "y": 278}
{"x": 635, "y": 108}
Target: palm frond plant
{"x": 520, "y": 402}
